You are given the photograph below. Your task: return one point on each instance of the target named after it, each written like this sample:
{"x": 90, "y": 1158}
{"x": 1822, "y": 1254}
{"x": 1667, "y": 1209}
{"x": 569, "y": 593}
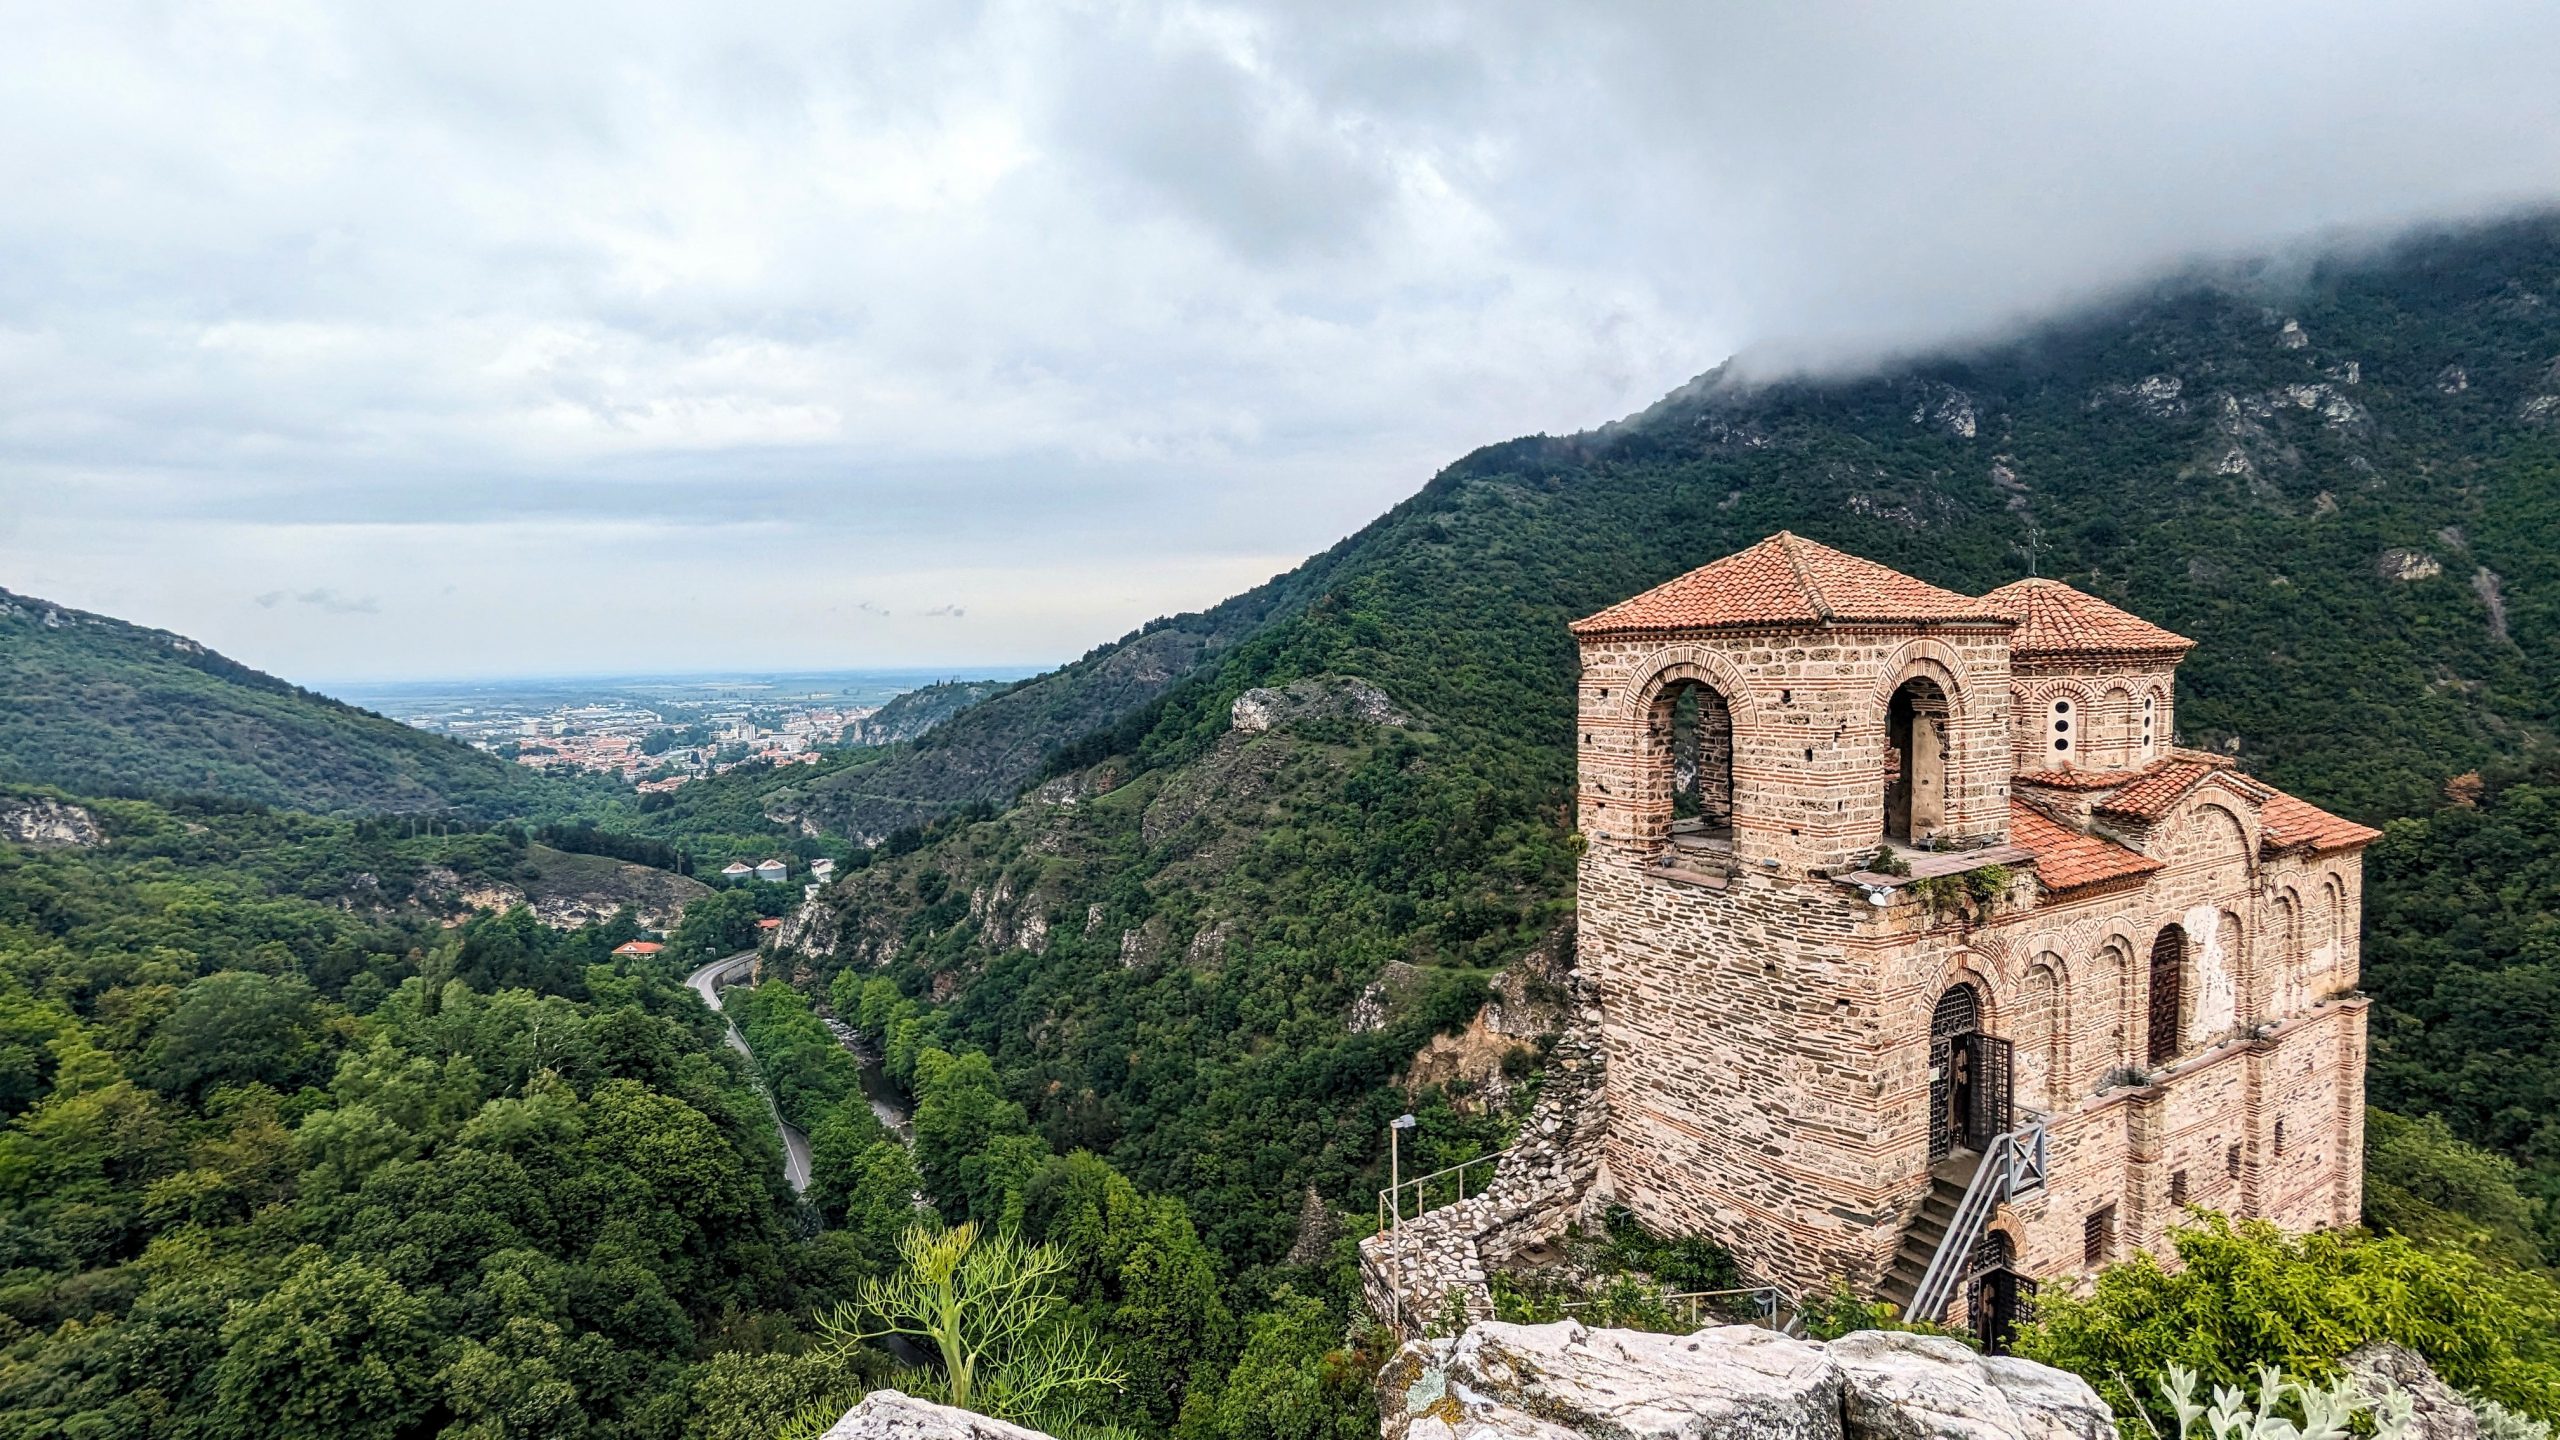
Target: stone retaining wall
{"x": 1410, "y": 1272}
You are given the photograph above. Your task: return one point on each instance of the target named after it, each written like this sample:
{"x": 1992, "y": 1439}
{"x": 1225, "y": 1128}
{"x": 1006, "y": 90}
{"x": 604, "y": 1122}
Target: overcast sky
{"x": 435, "y": 340}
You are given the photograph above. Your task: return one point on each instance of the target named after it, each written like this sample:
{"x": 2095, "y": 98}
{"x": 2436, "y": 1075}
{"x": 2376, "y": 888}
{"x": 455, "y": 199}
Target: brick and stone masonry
{"x": 2172, "y": 959}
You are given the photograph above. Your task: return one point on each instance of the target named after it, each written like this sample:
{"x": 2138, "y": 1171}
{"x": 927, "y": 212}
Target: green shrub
{"x": 2249, "y": 1296}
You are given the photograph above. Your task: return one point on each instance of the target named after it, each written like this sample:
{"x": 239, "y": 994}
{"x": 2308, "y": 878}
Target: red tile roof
{"x": 2158, "y": 787}
{"x": 1786, "y": 580}
{"x": 768, "y": 923}
{"x": 2075, "y": 779}
{"x": 638, "y": 947}
{"x": 2288, "y": 821}
{"x": 2069, "y": 860}
{"x": 2056, "y": 620}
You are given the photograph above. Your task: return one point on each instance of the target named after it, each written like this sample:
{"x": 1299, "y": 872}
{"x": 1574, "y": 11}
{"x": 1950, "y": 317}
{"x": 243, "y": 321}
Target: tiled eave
{"x": 1783, "y": 628}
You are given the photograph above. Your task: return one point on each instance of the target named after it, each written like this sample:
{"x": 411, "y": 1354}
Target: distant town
{"x": 656, "y": 732}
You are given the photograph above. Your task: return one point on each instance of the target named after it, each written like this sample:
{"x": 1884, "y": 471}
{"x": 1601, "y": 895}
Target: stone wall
{"x": 1410, "y": 1271}
{"x": 1809, "y": 741}
{"x": 2123, "y": 713}
{"x": 1768, "y": 1036}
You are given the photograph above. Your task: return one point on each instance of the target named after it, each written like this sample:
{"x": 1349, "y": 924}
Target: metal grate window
{"x": 2098, "y": 1237}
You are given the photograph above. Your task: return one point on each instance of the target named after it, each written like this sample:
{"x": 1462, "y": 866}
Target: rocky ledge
{"x": 889, "y": 1415}
{"x": 1320, "y": 697}
{"x": 40, "y": 823}
{"x": 1736, "y": 1382}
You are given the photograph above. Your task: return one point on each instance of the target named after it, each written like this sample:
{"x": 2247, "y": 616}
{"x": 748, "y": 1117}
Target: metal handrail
{"x": 2011, "y": 1164}
{"x": 1392, "y": 1197}
{"x": 1768, "y": 1297}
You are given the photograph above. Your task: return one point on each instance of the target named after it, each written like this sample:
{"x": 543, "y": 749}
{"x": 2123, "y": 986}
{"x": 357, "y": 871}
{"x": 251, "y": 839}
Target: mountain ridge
{"x": 101, "y": 706}
{"x": 2351, "y": 502}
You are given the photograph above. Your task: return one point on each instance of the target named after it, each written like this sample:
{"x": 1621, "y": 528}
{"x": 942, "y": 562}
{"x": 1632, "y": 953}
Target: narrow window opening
{"x": 2098, "y": 1237}
{"x": 2177, "y": 1189}
{"x": 1691, "y": 735}
{"x": 1915, "y": 782}
{"x": 2279, "y": 1137}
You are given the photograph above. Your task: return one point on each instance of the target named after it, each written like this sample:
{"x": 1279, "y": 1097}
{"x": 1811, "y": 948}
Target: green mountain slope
{"x": 2345, "y": 486}
{"x": 96, "y": 705}
{"x": 912, "y": 714}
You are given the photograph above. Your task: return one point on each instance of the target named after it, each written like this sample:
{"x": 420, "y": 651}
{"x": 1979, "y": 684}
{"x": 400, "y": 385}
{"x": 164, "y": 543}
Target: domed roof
{"x": 1786, "y": 580}
{"x": 2055, "y": 620}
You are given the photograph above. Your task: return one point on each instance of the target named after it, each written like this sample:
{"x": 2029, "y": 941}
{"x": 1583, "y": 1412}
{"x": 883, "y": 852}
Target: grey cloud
{"x": 322, "y": 599}
{"x": 545, "y": 304}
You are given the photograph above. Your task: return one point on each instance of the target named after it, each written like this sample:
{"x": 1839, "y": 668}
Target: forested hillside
{"x": 2345, "y": 484}
{"x": 287, "y": 1155}
{"x": 103, "y": 707}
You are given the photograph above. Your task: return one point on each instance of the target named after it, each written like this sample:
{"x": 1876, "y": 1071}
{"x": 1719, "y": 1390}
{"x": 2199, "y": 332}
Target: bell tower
{"x": 1748, "y": 731}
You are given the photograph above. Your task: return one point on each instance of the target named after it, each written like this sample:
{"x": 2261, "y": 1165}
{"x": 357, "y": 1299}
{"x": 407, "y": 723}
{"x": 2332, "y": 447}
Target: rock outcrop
{"x": 1322, "y": 697}
{"x": 1929, "y": 1387}
{"x": 1735, "y": 1382}
{"x": 2436, "y": 1410}
{"x": 45, "y": 824}
{"x": 890, "y": 1415}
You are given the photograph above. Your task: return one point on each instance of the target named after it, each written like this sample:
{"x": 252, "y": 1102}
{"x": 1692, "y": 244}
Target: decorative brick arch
{"x": 2004, "y": 1222}
{"x": 1935, "y": 659}
{"x": 1965, "y": 968}
{"x": 2047, "y": 981}
{"x": 2196, "y": 811}
{"x": 2115, "y": 961}
{"x": 1673, "y": 664}
{"x": 2283, "y": 972}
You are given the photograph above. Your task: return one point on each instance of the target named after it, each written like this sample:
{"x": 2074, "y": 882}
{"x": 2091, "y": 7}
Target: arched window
{"x": 2059, "y": 719}
{"x": 1693, "y": 748}
{"x": 1915, "y": 784}
{"x": 2150, "y": 724}
{"x": 2168, "y": 991}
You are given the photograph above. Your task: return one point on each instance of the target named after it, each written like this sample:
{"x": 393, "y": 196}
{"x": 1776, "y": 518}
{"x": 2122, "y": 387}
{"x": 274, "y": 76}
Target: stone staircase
{"x": 1947, "y": 1182}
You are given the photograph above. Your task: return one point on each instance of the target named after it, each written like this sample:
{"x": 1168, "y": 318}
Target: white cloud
{"x": 524, "y": 320}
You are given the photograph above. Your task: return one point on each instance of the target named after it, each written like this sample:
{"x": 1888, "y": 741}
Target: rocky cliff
{"x": 1735, "y": 1382}
{"x": 1563, "y": 1382}
{"x": 41, "y": 823}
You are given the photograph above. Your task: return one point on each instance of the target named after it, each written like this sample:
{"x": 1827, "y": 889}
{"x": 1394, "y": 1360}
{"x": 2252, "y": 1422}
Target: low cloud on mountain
{"x": 629, "y": 321}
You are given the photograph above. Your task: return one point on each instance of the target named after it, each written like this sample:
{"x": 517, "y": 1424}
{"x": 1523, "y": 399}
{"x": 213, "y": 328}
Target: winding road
{"x": 795, "y": 1146}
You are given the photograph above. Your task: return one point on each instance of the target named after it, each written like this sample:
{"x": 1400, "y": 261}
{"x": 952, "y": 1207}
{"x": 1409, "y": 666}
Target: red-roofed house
{"x": 1924, "y": 957}
{"x": 638, "y": 948}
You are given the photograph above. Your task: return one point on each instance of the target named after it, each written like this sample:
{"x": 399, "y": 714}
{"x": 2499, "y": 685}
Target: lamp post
{"x": 1395, "y": 1163}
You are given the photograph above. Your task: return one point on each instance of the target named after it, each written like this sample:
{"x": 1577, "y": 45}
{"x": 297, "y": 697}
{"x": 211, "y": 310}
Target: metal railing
{"x": 1689, "y": 1307}
{"x": 2012, "y": 1164}
{"x": 1449, "y": 1179}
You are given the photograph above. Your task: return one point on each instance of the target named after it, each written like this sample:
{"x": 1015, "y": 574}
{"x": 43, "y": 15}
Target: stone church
{"x": 1916, "y": 956}
{"x": 1925, "y": 959}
